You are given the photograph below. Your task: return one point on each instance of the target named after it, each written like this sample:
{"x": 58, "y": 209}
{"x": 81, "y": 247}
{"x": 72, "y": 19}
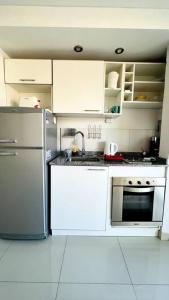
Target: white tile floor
{"x": 85, "y": 268}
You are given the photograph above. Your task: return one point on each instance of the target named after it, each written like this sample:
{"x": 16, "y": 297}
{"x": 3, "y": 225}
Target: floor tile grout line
{"x": 83, "y": 283}
{"x": 96, "y": 283}
{"x": 127, "y": 267}
{"x": 61, "y": 267}
{"x": 124, "y": 260}
{"x": 32, "y": 282}
{"x": 1, "y": 258}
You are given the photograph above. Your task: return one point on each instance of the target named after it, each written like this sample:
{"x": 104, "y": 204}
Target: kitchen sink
{"x": 85, "y": 158}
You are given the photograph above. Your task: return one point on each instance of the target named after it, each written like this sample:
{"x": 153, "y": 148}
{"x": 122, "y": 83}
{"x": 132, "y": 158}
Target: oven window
{"x": 137, "y": 206}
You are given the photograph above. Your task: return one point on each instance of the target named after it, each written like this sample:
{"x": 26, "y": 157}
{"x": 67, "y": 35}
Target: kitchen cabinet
{"x": 1, "y": 70}
{"x": 143, "y": 85}
{"x": 78, "y": 197}
{"x": 113, "y": 95}
{"x": 139, "y": 85}
{"x": 2, "y": 94}
{"x": 78, "y": 87}
{"x": 2, "y": 84}
{"x": 29, "y": 71}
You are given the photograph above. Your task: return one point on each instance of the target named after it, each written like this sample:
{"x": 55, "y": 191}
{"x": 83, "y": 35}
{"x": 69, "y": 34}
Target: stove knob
{"x": 130, "y": 182}
{"x": 148, "y": 182}
{"x": 139, "y": 182}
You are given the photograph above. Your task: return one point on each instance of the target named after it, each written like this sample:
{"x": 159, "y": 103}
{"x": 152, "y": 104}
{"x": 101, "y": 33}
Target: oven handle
{"x": 139, "y": 190}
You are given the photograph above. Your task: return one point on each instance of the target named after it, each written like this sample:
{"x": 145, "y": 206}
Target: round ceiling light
{"x": 78, "y": 48}
{"x": 119, "y": 50}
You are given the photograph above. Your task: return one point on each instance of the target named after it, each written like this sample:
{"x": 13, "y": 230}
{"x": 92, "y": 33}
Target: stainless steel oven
{"x": 137, "y": 201}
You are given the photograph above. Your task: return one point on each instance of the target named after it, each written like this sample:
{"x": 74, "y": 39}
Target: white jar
{"x": 112, "y": 80}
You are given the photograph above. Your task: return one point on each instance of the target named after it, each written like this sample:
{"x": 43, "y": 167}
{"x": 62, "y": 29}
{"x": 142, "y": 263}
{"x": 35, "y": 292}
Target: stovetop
{"x": 141, "y": 160}
{"x": 137, "y": 158}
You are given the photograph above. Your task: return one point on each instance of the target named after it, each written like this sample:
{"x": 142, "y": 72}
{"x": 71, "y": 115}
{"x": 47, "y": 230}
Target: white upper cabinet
{"x": 1, "y": 70}
{"x": 2, "y": 85}
{"x": 29, "y": 71}
{"x": 78, "y": 87}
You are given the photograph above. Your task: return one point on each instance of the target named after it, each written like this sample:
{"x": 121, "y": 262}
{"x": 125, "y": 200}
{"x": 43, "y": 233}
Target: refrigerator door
{"x": 23, "y": 205}
{"x": 18, "y": 128}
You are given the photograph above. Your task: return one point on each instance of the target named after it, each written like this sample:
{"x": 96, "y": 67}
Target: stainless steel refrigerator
{"x": 27, "y": 144}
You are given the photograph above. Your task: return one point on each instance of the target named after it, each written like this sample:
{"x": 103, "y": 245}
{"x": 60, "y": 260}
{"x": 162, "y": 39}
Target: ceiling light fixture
{"x": 78, "y": 48}
{"x": 119, "y": 50}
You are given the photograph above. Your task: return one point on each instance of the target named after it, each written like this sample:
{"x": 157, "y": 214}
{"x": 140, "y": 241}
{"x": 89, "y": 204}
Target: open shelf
{"x": 17, "y": 92}
{"x": 129, "y": 77}
{"x": 141, "y": 86}
{"x": 127, "y": 92}
{"x": 113, "y": 96}
{"x": 112, "y": 115}
{"x": 129, "y": 67}
{"x": 112, "y": 92}
{"x": 150, "y": 72}
{"x": 142, "y": 104}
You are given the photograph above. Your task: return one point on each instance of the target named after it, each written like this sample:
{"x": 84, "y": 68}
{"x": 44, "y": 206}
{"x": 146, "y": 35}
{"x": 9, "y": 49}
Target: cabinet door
{"x": 29, "y": 71}
{"x": 1, "y": 70}
{"x": 78, "y": 198}
{"x": 78, "y": 86}
{"x": 2, "y": 95}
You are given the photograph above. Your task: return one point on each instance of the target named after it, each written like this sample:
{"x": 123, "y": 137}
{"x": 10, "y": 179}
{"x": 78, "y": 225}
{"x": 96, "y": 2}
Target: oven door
{"x": 137, "y": 205}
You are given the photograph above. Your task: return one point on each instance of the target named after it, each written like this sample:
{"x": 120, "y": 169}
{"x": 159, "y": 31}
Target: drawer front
{"x": 29, "y": 71}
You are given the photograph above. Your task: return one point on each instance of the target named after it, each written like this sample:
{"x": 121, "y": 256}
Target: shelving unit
{"x": 142, "y": 104}
{"x": 143, "y": 85}
{"x": 128, "y": 81}
{"x": 113, "y": 96}
{"x": 112, "y": 92}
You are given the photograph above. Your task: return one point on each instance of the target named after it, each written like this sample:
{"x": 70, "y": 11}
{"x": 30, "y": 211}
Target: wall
{"x": 131, "y": 131}
{"x": 164, "y": 149}
{"x": 164, "y": 144}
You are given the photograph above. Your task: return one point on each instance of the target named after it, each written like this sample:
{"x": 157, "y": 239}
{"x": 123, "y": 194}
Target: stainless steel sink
{"x": 85, "y": 158}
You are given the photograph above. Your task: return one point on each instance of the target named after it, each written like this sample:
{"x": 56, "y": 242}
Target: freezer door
{"x": 21, "y": 129}
{"x": 23, "y": 206}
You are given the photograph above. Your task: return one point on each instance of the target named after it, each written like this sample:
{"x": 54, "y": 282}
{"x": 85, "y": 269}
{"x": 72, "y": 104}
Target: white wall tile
{"x": 139, "y": 140}
{"x": 131, "y": 131}
{"x": 120, "y": 137}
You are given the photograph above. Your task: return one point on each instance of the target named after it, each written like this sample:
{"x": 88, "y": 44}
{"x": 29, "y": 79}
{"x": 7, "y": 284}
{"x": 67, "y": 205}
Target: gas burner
{"x": 141, "y": 160}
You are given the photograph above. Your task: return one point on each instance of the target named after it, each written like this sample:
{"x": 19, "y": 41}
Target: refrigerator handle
{"x": 8, "y": 141}
{"x": 8, "y": 153}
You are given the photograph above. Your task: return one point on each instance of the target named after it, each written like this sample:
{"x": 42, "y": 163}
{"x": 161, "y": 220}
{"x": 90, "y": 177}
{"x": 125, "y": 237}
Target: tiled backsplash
{"x": 131, "y": 131}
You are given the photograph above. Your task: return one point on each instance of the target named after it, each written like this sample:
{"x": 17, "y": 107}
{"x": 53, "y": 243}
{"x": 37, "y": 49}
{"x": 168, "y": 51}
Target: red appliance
{"x": 117, "y": 157}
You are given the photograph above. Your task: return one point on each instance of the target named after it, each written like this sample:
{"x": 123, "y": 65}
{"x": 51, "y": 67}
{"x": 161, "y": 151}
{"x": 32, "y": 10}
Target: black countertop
{"x": 60, "y": 160}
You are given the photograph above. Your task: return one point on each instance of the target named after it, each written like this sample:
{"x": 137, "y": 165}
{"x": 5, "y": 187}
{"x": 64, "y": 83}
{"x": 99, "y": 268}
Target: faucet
{"x": 83, "y": 141}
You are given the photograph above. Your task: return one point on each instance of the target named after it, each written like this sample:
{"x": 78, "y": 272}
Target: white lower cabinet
{"x": 78, "y": 197}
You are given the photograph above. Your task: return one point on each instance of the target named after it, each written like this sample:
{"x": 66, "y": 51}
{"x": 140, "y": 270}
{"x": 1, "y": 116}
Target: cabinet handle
{"x": 96, "y": 170}
{"x": 8, "y": 153}
{"x": 32, "y": 80}
{"x": 91, "y": 109}
{"x": 8, "y": 141}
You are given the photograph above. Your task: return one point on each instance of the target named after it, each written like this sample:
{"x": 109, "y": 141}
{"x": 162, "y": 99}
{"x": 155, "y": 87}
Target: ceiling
{"x": 98, "y": 43}
{"x": 29, "y": 41}
{"x": 91, "y": 3}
